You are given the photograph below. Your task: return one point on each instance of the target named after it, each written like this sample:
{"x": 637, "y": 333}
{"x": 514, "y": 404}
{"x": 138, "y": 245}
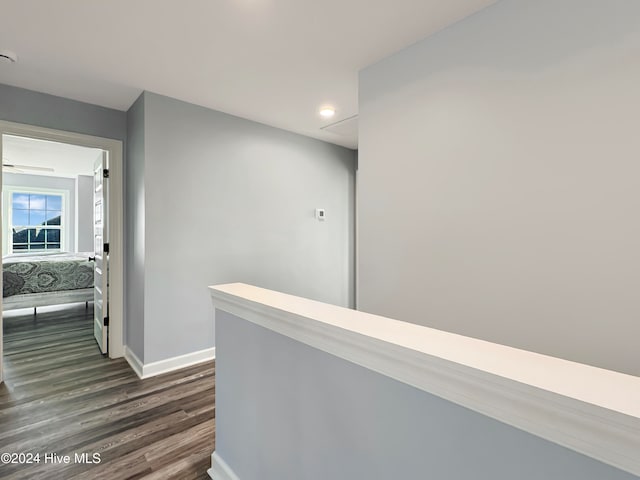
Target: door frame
{"x": 116, "y": 221}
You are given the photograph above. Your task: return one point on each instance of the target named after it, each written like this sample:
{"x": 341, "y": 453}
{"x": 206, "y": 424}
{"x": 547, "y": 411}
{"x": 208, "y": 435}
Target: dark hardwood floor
{"x": 61, "y": 396}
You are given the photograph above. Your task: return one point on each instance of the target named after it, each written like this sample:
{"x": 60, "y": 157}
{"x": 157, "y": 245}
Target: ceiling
{"x": 273, "y": 61}
{"x": 66, "y": 160}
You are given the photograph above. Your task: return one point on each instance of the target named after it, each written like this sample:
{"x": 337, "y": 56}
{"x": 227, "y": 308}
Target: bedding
{"x": 47, "y": 272}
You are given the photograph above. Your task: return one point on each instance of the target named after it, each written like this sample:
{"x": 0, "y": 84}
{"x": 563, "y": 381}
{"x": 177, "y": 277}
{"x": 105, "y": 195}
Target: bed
{"x": 30, "y": 281}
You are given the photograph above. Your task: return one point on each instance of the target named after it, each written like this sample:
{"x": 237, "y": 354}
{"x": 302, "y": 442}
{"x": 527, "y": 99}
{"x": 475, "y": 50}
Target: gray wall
{"x": 135, "y": 228}
{"x": 58, "y": 183}
{"x": 269, "y": 182}
{"x": 34, "y": 108}
{"x": 84, "y": 213}
{"x": 321, "y": 417}
{"x": 227, "y": 200}
{"x": 499, "y": 182}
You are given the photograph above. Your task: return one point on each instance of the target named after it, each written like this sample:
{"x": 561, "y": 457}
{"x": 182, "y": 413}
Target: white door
{"x": 101, "y": 264}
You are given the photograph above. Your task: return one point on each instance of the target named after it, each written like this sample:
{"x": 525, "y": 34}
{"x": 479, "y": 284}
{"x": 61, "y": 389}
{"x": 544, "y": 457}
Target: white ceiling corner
{"x": 347, "y": 128}
{"x": 273, "y": 61}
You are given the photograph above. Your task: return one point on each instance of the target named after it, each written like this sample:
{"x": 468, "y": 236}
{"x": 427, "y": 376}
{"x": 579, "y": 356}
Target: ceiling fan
{"x": 12, "y": 168}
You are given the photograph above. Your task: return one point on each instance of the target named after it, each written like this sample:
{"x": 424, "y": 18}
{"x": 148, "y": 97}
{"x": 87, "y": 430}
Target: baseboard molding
{"x": 168, "y": 365}
{"x": 220, "y": 470}
{"x": 134, "y": 362}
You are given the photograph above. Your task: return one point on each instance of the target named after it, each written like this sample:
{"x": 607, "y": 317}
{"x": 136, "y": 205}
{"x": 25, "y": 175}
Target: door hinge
{"x": 105, "y": 173}
{"x": 105, "y": 248}
{"x": 106, "y": 321}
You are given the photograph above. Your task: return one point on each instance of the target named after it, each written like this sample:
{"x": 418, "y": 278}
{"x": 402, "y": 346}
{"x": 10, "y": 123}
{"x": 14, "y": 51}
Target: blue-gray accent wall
{"x": 134, "y": 193}
{"x": 285, "y": 410}
{"x": 498, "y": 181}
{"x": 212, "y": 198}
{"x": 227, "y": 199}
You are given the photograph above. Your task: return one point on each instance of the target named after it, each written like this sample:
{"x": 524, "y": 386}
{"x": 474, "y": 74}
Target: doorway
{"x": 56, "y": 238}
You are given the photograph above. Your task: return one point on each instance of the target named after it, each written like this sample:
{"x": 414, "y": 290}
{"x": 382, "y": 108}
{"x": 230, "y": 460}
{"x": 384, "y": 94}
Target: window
{"x": 36, "y": 221}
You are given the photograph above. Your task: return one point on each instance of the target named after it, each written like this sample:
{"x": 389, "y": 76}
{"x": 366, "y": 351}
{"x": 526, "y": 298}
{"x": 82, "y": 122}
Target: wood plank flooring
{"x": 61, "y": 396}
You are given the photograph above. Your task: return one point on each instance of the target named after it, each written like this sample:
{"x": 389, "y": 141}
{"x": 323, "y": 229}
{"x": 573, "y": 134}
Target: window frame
{"x": 7, "y": 216}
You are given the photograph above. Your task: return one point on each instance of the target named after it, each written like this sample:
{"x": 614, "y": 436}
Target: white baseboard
{"x": 134, "y": 361}
{"x": 168, "y": 365}
{"x": 220, "y": 470}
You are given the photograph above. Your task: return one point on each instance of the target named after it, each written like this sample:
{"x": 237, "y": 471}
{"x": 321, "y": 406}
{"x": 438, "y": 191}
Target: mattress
{"x": 49, "y": 272}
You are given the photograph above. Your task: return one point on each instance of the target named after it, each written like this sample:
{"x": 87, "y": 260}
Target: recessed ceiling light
{"x": 327, "y": 112}
{"x": 8, "y": 57}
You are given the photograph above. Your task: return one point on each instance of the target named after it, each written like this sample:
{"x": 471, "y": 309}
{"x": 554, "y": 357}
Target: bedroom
{"x": 47, "y": 228}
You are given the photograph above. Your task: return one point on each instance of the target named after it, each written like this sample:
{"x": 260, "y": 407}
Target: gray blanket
{"x": 50, "y": 272}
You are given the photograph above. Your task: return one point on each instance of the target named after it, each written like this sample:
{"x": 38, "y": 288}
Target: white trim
{"x": 220, "y": 470}
{"x": 134, "y": 362}
{"x": 116, "y": 216}
{"x": 593, "y": 411}
{"x": 175, "y": 363}
{"x": 356, "y": 239}
{"x": 116, "y": 251}
{"x": 169, "y": 364}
